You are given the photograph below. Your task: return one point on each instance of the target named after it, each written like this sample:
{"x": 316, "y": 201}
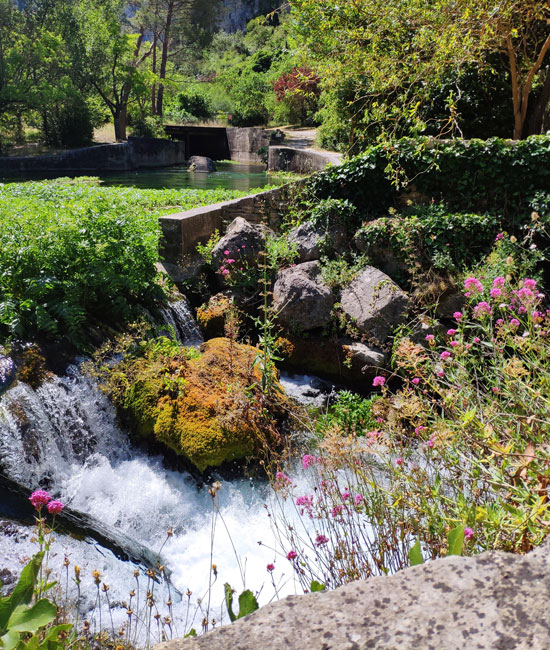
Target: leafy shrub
{"x": 193, "y": 103}
{"x": 351, "y": 413}
{"x": 148, "y": 127}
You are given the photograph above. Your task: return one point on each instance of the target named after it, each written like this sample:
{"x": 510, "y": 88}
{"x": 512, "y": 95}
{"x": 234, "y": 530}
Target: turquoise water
{"x": 232, "y": 176}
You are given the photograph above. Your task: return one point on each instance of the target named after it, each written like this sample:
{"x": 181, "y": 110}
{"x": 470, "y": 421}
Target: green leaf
{"x": 415, "y": 554}
{"x": 455, "y": 541}
{"x": 192, "y": 633}
{"x": 10, "y": 640}
{"x": 229, "y": 601}
{"x": 247, "y": 603}
{"x": 23, "y": 592}
{"x": 30, "y": 619}
{"x": 51, "y": 639}
{"x": 316, "y": 586}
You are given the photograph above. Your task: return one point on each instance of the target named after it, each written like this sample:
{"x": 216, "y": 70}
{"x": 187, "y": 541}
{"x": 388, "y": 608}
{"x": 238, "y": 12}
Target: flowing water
{"x": 64, "y": 437}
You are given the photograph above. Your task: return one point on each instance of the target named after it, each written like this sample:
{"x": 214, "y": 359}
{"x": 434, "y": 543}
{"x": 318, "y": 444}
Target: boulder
{"x": 201, "y": 164}
{"x": 311, "y": 240}
{"x": 300, "y": 297}
{"x": 243, "y": 241}
{"x": 375, "y": 303}
{"x": 490, "y": 601}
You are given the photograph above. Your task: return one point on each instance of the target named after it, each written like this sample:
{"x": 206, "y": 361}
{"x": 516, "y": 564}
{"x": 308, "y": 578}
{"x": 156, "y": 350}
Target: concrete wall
{"x": 135, "y": 154}
{"x": 301, "y": 161}
{"x": 184, "y": 230}
{"x": 245, "y": 142}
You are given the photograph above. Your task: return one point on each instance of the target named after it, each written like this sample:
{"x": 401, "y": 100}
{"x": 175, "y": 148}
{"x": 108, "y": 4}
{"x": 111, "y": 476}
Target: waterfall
{"x": 178, "y": 316}
{"x": 64, "y": 436}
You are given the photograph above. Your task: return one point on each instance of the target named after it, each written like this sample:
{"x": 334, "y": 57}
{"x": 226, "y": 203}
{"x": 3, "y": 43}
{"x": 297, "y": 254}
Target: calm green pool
{"x": 232, "y": 176}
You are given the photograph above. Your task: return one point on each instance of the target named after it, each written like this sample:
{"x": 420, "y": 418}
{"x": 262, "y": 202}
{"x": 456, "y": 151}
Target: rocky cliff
{"x": 238, "y": 12}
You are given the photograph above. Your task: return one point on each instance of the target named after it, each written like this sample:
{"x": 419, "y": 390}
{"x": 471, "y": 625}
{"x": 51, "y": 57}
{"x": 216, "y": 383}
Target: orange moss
{"x": 211, "y": 317}
{"x": 33, "y": 369}
{"x": 209, "y": 408}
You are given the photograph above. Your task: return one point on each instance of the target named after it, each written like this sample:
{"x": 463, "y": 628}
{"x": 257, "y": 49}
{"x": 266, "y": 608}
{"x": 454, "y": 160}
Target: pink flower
{"x": 453, "y": 344}
{"x": 304, "y": 501}
{"x": 270, "y": 567}
{"x": 225, "y": 272}
{"x": 482, "y": 309}
{"x": 499, "y": 236}
{"x": 468, "y": 533}
{"x": 415, "y": 380}
{"x": 345, "y": 495}
{"x": 515, "y": 322}
{"x": 430, "y": 337}
{"x": 477, "y": 339}
{"x": 55, "y": 507}
{"x": 473, "y": 285}
{"x": 308, "y": 460}
{"x": 358, "y": 498}
{"x": 499, "y": 282}
{"x": 291, "y": 555}
{"x": 337, "y": 510}
{"x": 440, "y": 373}
{"x": 378, "y": 381}
{"x": 445, "y": 354}
{"x": 399, "y": 461}
{"x": 526, "y": 295}
{"x": 229, "y": 260}
{"x": 226, "y": 252}
{"x": 320, "y": 540}
{"x": 40, "y": 498}
{"x": 499, "y": 321}
{"x": 457, "y": 315}
{"x": 451, "y": 332}
{"x": 528, "y": 283}
{"x": 430, "y": 443}
{"x": 495, "y": 389}
{"x": 496, "y": 293}
{"x": 380, "y": 420}
{"x": 419, "y": 429}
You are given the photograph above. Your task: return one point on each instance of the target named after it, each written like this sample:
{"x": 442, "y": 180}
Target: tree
{"x": 300, "y": 89}
{"x": 382, "y": 56}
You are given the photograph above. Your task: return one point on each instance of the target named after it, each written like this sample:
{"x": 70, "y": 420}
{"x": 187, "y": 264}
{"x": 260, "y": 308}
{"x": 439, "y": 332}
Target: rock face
{"x": 310, "y": 239}
{"x": 375, "y": 303}
{"x": 201, "y": 164}
{"x": 488, "y": 602}
{"x": 301, "y": 298}
{"x": 243, "y": 240}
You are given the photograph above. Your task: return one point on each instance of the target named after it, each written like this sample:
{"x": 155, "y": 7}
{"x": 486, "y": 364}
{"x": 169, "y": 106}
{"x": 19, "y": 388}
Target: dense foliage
{"x": 73, "y": 254}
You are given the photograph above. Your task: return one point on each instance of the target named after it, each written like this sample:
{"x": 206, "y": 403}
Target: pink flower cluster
{"x": 378, "y": 381}
{"x": 41, "y": 498}
{"x": 473, "y": 286}
{"x": 308, "y": 460}
{"x": 320, "y": 540}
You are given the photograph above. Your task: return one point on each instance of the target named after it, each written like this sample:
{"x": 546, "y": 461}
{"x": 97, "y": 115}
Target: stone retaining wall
{"x": 301, "y": 161}
{"x": 184, "y": 230}
{"x": 135, "y": 154}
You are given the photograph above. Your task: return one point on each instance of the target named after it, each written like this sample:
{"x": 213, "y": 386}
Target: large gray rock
{"x": 311, "y": 239}
{"x": 375, "y": 303}
{"x": 493, "y": 601}
{"x": 301, "y": 298}
{"x": 243, "y": 240}
{"x": 201, "y": 164}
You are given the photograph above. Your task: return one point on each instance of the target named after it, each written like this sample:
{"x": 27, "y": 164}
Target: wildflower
{"x": 531, "y": 284}
{"x": 482, "y": 309}
{"x": 526, "y": 295}
{"x": 495, "y": 389}
{"x": 499, "y": 321}
{"x": 225, "y": 272}
{"x": 445, "y": 354}
{"x": 40, "y": 498}
{"x": 496, "y": 292}
{"x": 451, "y": 332}
{"x": 308, "y": 460}
{"x": 499, "y": 282}
{"x": 419, "y": 429}
{"x": 229, "y": 260}
{"x": 440, "y": 373}
{"x": 358, "y": 498}
{"x": 473, "y": 285}
{"x": 453, "y": 344}
{"x": 515, "y": 322}
{"x": 430, "y": 337}
{"x": 226, "y": 253}
{"x": 477, "y": 339}
{"x": 291, "y": 555}
{"x": 55, "y": 507}
{"x": 380, "y": 420}
{"x": 399, "y": 461}
{"x": 378, "y": 381}
{"x": 457, "y": 315}
{"x": 270, "y": 567}
{"x": 345, "y": 495}
{"x": 499, "y": 236}
{"x": 430, "y": 443}
{"x": 415, "y": 380}
{"x": 337, "y": 510}
{"x": 468, "y": 533}
{"x": 320, "y": 540}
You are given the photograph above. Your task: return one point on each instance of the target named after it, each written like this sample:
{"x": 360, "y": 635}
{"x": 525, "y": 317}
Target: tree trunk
{"x": 164, "y": 55}
{"x": 119, "y": 119}
{"x": 154, "y": 68}
{"x": 537, "y": 114}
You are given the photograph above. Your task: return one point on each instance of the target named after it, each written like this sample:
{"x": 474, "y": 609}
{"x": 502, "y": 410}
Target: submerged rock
{"x": 201, "y": 164}
{"x": 301, "y": 298}
{"x": 492, "y": 600}
{"x": 374, "y": 303}
{"x": 206, "y": 406}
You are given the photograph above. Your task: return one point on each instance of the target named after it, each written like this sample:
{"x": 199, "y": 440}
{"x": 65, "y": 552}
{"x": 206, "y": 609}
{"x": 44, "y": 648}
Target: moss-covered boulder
{"x": 206, "y": 406}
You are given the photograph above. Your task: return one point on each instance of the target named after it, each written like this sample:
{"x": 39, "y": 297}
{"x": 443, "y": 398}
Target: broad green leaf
{"x": 23, "y": 592}
{"x": 415, "y": 554}
{"x": 30, "y": 619}
{"x": 192, "y": 633}
{"x": 455, "y": 541}
{"x": 10, "y": 640}
{"x": 317, "y": 586}
{"x": 247, "y": 603}
{"x": 229, "y": 601}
